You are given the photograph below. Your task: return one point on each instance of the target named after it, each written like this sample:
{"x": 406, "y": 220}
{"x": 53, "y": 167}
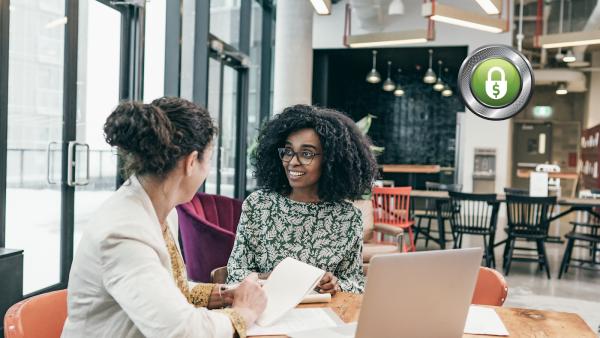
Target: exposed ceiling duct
{"x": 593, "y": 23}
{"x": 575, "y": 80}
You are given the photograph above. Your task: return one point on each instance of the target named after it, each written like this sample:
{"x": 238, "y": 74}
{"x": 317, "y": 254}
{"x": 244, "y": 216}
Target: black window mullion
{"x": 242, "y": 102}
{"x": 173, "y": 48}
{"x": 265, "y": 66}
{"x": 69, "y": 134}
{"x": 201, "y": 52}
{"x": 4, "y": 36}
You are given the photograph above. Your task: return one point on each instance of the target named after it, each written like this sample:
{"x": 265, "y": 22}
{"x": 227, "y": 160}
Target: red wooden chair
{"x": 391, "y": 208}
{"x": 491, "y": 288}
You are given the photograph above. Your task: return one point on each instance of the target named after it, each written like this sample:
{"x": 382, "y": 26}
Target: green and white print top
{"x": 327, "y": 235}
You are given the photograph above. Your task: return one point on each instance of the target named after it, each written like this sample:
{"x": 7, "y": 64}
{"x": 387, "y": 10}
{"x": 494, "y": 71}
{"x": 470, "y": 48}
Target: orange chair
{"x": 491, "y": 288}
{"x": 39, "y": 316}
{"x": 391, "y": 208}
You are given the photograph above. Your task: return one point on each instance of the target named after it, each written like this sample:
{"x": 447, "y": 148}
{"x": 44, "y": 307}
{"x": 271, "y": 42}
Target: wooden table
{"x": 411, "y": 170}
{"x": 525, "y": 173}
{"x": 518, "y": 322}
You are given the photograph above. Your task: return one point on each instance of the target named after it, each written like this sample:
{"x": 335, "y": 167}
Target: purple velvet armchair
{"x": 207, "y": 227}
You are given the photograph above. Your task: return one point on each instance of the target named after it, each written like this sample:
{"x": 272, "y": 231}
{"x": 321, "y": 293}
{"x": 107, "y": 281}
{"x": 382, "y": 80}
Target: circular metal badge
{"x": 496, "y": 82}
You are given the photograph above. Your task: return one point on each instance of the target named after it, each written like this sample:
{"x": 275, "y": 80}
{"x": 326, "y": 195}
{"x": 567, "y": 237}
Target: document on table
{"x": 287, "y": 285}
{"x": 298, "y": 320}
{"x": 484, "y": 320}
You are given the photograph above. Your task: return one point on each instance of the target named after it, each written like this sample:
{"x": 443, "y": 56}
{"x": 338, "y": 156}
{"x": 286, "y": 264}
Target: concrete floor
{"x": 578, "y": 291}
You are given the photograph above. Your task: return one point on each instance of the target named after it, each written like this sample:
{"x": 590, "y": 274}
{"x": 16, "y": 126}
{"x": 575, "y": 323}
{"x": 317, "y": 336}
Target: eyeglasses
{"x": 305, "y": 157}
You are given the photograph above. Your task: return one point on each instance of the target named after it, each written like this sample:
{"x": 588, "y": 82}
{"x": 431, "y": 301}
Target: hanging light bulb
{"x": 429, "y": 74}
{"x": 447, "y": 91}
{"x": 388, "y": 84}
{"x": 373, "y": 76}
{"x": 399, "y": 91}
{"x": 569, "y": 57}
{"x": 439, "y": 85}
{"x": 562, "y": 89}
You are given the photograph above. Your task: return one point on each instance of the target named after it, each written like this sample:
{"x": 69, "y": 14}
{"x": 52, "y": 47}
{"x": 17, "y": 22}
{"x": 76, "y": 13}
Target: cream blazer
{"x": 121, "y": 283}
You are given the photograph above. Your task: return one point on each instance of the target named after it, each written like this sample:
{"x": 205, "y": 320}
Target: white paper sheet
{"x": 297, "y": 320}
{"x": 340, "y": 331}
{"x": 288, "y": 283}
{"x": 484, "y": 320}
{"x": 538, "y": 184}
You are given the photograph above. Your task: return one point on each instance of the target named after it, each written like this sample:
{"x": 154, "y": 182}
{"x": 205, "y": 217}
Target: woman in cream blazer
{"x": 128, "y": 278}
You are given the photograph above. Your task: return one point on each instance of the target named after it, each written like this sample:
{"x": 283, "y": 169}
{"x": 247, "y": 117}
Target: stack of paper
{"x": 298, "y": 320}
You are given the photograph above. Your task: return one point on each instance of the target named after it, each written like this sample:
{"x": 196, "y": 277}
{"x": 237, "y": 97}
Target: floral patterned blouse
{"x": 327, "y": 235}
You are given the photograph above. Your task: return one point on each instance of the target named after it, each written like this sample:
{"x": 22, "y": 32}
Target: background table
{"x": 518, "y": 322}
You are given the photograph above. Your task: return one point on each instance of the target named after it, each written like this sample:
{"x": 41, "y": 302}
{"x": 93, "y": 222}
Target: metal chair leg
{"x": 565, "y": 258}
{"x": 511, "y": 247}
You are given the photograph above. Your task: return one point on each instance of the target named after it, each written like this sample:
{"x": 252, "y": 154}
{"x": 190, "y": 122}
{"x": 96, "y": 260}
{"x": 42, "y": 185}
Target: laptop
{"x": 421, "y": 294}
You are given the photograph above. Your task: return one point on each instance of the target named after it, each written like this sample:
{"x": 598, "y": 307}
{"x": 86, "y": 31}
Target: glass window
{"x": 154, "y": 50}
{"x": 33, "y": 195}
{"x": 225, "y": 20}
{"x": 98, "y": 94}
{"x": 187, "y": 49}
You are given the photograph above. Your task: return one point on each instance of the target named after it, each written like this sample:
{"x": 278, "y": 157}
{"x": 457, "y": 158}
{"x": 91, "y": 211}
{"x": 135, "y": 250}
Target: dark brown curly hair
{"x": 348, "y": 169}
{"x": 151, "y": 138}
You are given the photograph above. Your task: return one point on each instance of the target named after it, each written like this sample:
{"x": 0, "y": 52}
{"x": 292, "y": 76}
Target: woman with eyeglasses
{"x": 310, "y": 162}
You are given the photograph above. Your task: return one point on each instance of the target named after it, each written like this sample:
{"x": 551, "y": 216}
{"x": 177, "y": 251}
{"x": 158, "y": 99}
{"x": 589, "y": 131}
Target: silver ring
{"x": 496, "y": 51}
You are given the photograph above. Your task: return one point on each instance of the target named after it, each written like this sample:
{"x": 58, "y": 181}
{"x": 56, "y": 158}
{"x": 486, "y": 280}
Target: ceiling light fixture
{"x": 399, "y": 91}
{"x": 491, "y": 6}
{"x": 55, "y": 23}
{"x": 388, "y": 84}
{"x": 447, "y": 91}
{"x": 322, "y": 7}
{"x": 387, "y": 38}
{"x": 430, "y": 74}
{"x": 570, "y": 39}
{"x": 569, "y": 57}
{"x": 373, "y": 76}
{"x": 439, "y": 85}
{"x": 562, "y": 89}
{"x": 454, "y": 16}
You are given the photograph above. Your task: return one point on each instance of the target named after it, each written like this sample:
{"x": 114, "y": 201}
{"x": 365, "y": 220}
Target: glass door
{"x": 223, "y": 107}
{"x": 98, "y": 75}
{"x": 35, "y": 129}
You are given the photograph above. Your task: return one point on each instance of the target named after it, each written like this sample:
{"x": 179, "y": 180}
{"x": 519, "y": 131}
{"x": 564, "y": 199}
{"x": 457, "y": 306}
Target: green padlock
{"x": 495, "y": 83}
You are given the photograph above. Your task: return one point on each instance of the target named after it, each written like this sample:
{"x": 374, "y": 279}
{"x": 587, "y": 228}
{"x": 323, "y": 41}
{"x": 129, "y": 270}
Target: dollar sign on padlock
{"x": 495, "y": 89}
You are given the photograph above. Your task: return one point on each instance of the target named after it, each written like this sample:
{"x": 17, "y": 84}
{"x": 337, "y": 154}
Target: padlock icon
{"x": 495, "y": 89}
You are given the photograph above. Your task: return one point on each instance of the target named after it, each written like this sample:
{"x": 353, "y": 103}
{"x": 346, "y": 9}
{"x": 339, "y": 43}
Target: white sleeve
{"x": 145, "y": 290}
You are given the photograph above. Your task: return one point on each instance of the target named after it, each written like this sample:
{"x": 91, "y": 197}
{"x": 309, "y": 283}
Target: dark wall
{"x": 418, "y": 128}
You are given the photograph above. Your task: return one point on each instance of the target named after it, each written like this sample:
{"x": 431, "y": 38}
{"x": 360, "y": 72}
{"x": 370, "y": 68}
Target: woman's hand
{"x": 329, "y": 284}
{"x": 220, "y": 299}
{"x": 249, "y": 300}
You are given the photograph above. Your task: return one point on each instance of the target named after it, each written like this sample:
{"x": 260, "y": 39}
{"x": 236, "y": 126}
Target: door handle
{"x": 49, "y": 170}
{"x": 71, "y": 179}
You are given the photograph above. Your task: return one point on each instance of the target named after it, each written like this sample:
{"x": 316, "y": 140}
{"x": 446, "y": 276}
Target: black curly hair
{"x": 348, "y": 167}
{"x": 151, "y": 138}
